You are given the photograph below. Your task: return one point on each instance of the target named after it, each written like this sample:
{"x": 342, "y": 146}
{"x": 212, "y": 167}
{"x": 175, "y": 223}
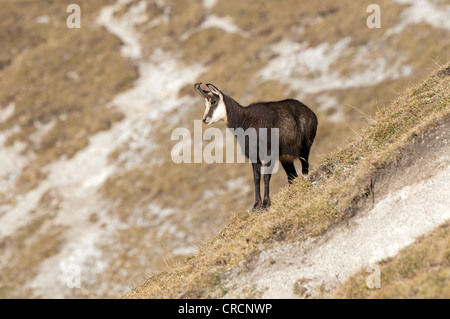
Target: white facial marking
{"x": 220, "y": 113}
{"x": 208, "y": 106}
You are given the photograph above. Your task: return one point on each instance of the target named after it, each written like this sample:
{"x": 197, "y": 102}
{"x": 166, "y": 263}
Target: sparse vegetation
{"x": 300, "y": 289}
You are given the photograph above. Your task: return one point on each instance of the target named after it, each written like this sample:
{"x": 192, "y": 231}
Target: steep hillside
{"x": 404, "y": 200}
{"x": 86, "y": 117}
{"x": 421, "y": 270}
{"x": 362, "y": 204}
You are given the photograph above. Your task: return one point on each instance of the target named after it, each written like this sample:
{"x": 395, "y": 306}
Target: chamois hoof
{"x": 266, "y": 203}
{"x": 257, "y": 205}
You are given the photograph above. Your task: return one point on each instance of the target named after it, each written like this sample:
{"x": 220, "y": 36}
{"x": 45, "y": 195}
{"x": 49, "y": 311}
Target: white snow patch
{"x": 225, "y": 24}
{"x": 422, "y": 11}
{"x": 326, "y": 102}
{"x": 12, "y": 162}
{"x": 81, "y": 251}
{"x": 239, "y": 183}
{"x": 124, "y": 27}
{"x": 7, "y": 112}
{"x": 209, "y": 4}
{"x": 41, "y": 130}
{"x": 309, "y": 70}
{"x": 154, "y": 95}
{"x": 43, "y": 19}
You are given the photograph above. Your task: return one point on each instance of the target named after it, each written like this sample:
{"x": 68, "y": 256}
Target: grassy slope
{"x": 308, "y": 208}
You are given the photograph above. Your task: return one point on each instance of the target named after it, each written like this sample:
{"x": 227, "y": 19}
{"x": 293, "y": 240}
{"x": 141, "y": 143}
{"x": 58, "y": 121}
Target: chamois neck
{"x": 236, "y": 113}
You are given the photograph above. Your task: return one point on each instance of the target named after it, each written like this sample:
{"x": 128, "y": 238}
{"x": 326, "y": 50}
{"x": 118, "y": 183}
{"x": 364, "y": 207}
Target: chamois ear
{"x": 214, "y": 90}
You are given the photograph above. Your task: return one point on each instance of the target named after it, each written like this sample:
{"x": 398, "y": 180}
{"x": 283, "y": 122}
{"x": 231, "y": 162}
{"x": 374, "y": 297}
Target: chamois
{"x": 296, "y": 123}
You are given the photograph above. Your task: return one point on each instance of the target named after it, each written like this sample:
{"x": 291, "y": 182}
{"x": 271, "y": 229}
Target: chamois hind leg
{"x": 304, "y": 157}
{"x": 290, "y": 170}
{"x": 257, "y": 179}
{"x": 267, "y": 177}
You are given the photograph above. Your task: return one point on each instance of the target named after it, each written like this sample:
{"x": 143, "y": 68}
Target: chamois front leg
{"x": 257, "y": 179}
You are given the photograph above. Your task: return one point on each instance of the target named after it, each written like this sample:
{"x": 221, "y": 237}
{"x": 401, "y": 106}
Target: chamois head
{"x": 215, "y": 106}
